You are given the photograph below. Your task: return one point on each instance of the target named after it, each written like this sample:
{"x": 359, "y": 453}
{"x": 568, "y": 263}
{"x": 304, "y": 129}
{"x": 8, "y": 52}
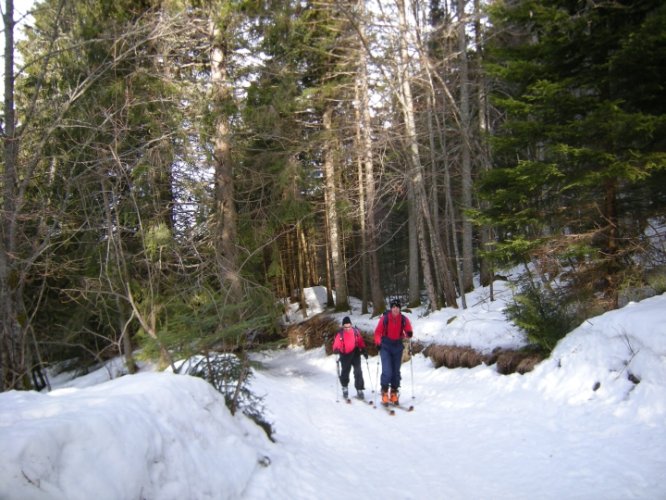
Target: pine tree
{"x": 578, "y": 148}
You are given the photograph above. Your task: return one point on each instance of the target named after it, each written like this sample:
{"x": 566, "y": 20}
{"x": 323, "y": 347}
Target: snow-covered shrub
{"x": 230, "y": 375}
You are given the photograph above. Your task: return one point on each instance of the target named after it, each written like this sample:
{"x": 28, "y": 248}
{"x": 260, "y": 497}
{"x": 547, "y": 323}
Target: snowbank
{"x": 613, "y": 357}
{"x": 56, "y": 445}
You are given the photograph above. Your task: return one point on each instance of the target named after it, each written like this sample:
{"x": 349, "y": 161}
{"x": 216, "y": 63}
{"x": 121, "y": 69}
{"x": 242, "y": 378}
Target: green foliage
{"x": 200, "y": 319}
{"x": 542, "y": 314}
{"x": 657, "y": 280}
{"x": 511, "y": 250}
{"x": 577, "y": 155}
{"x": 158, "y": 237}
{"x": 231, "y": 377}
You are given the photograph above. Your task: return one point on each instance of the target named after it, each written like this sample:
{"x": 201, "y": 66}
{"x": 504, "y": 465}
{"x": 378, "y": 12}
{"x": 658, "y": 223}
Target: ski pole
{"x": 369, "y": 377}
{"x": 411, "y": 365}
{"x": 377, "y": 379}
{"x": 337, "y": 380}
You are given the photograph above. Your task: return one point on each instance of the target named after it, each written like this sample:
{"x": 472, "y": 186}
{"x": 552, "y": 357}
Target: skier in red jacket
{"x": 393, "y": 326}
{"x": 349, "y": 344}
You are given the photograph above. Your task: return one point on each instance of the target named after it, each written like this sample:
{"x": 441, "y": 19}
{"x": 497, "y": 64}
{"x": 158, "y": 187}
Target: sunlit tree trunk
{"x": 226, "y": 236}
{"x": 367, "y": 180}
{"x": 414, "y": 274}
{"x": 337, "y": 260}
{"x": 424, "y": 219}
{"x": 300, "y": 245}
{"x": 486, "y": 270}
{"x": 466, "y": 156}
{"x": 362, "y": 216}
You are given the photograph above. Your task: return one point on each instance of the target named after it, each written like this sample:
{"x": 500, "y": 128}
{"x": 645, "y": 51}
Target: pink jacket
{"x": 348, "y": 339}
{"x": 394, "y": 329}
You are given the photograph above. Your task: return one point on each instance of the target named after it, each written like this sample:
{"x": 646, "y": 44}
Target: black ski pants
{"x": 346, "y": 362}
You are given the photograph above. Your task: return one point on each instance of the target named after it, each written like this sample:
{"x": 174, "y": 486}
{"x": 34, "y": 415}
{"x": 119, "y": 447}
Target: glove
{"x": 379, "y": 347}
{"x": 336, "y": 351}
{"x": 409, "y": 334}
{"x": 364, "y": 352}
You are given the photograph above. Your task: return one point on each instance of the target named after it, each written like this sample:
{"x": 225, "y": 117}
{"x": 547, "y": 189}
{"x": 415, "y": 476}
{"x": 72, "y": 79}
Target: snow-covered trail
{"x": 473, "y": 435}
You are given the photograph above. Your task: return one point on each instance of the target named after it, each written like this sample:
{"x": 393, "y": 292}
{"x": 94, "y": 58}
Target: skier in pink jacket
{"x": 349, "y": 345}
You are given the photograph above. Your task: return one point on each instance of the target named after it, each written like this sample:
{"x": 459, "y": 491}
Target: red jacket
{"x": 348, "y": 339}
{"x": 394, "y": 328}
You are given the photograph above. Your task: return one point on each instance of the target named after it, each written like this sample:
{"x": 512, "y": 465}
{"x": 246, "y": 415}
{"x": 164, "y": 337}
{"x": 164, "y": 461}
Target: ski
{"x": 362, "y": 400}
{"x": 404, "y": 407}
{"x": 388, "y": 409}
{"x": 371, "y": 404}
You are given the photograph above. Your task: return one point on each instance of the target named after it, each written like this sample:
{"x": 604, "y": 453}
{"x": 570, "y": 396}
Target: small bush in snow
{"x": 542, "y": 314}
{"x": 230, "y": 376}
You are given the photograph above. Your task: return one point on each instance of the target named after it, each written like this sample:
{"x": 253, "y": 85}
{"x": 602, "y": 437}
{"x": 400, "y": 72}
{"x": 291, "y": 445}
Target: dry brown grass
{"x": 313, "y": 332}
{"x": 521, "y": 361}
{"x": 319, "y": 330}
{"x": 453, "y": 356}
{"x": 507, "y": 361}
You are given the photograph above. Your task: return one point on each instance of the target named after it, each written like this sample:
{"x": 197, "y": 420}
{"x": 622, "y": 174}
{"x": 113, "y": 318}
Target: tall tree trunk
{"x": 415, "y": 175}
{"x": 368, "y": 180}
{"x": 226, "y": 235}
{"x": 12, "y": 361}
{"x": 362, "y": 204}
{"x": 486, "y": 270}
{"x": 414, "y": 269}
{"x": 466, "y": 154}
{"x": 330, "y": 302}
{"x": 337, "y": 260}
{"x": 300, "y": 253}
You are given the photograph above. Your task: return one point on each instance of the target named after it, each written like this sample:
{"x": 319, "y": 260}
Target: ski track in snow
{"x": 465, "y": 432}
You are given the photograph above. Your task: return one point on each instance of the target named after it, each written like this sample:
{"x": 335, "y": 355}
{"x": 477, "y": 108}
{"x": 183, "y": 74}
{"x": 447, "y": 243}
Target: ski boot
{"x": 385, "y": 397}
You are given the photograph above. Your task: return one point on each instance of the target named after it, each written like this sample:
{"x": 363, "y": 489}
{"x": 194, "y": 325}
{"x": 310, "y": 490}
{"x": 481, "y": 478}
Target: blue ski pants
{"x": 391, "y": 356}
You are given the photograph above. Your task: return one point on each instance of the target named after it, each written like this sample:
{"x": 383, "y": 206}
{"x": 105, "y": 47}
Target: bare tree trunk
{"x": 416, "y": 189}
{"x": 445, "y": 235}
{"x": 301, "y": 269}
{"x": 226, "y": 238}
{"x": 466, "y": 160}
{"x": 337, "y": 261}
{"x": 368, "y": 181}
{"x": 414, "y": 274}
{"x": 12, "y": 336}
{"x": 486, "y": 270}
{"x": 362, "y": 216}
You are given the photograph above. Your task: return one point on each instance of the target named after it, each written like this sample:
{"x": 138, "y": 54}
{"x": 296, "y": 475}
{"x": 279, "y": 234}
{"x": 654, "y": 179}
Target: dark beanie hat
{"x": 346, "y": 320}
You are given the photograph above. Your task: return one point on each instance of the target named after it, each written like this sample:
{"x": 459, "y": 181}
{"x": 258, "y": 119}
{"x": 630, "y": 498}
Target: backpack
{"x": 357, "y": 334}
{"x": 385, "y": 317}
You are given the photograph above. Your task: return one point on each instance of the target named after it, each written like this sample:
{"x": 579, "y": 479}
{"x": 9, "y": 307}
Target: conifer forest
{"x": 174, "y": 172}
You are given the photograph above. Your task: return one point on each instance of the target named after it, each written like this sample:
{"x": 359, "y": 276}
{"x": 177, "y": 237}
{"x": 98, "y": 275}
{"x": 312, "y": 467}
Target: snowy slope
{"x": 575, "y": 427}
